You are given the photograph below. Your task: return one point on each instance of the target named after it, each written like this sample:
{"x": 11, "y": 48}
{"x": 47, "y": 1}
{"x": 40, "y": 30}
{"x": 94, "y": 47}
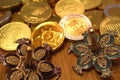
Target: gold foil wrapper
{"x": 75, "y": 25}
{"x": 48, "y": 32}
{"x": 11, "y": 32}
{"x": 36, "y": 12}
{"x": 65, "y": 7}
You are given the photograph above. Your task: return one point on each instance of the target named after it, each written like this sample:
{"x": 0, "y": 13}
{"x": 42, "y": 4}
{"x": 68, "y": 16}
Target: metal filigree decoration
{"x": 29, "y": 63}
{"x": 96, "y": 51}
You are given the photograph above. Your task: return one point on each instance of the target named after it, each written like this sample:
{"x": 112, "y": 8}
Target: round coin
{"x": 36, "y": 12}
{"x": 65, "y": 7}
{"x": 112, "y": 10}
{"x": 5, "y": 17}
{"x": 48, "y": 32}
{"x": 111, "y": 24}
{"x": 90, "y": 4}
{"x": 74, "y": 25}
{"x": 8, "y": 4}
{"x": 11, "y": 32}
{"x": 95, "y": 17}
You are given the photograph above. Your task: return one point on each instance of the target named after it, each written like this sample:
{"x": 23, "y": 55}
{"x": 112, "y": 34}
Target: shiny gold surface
{"x": 11, "y": 32}
{"x": 65, "y": 7}
{"x": 8, "y": 4}
{"x": 90, "y": 4}
{"x": 96, "y": 17}
{"x": 48, "y": 32}
{"x": 66, "y": 61}
{"x": 74, "y": 26}
{"x": 36, "y": 12}
{"x": 111, "y": 24}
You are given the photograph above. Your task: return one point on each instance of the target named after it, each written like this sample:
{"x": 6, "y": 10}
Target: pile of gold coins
{"x": 51, "y": 21}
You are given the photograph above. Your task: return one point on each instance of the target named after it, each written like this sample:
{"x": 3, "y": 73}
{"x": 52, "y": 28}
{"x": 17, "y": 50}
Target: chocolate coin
{"x": 48, "y": 32}
{"x": 74, "y": 25}
{"x": 36, "y": 12}
{"x": 11, "y": 32}
{"x": 65, "y": 7}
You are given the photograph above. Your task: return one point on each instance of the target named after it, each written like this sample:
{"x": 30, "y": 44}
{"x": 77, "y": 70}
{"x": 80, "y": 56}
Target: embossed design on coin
{"x": 11, "y": 32}
{"x": 48, "y": 32}
{"x": 65, "y": 7}
{"x": 36, "y": 12}
{"x": 75, "y": 25}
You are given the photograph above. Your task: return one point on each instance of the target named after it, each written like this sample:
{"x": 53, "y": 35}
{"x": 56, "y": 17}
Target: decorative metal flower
{"x": 95, "y": 51}
{"x": 29, "y": 63}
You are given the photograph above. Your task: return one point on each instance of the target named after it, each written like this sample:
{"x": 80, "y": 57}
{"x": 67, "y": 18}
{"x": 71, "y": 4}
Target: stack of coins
{"x": 19, "y": 17}
{"x": 51, "y": 21}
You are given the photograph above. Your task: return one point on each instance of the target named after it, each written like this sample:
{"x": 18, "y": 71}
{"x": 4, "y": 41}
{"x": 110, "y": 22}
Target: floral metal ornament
{"x": 96, "y": 51}
{"x": 29, "y": 63}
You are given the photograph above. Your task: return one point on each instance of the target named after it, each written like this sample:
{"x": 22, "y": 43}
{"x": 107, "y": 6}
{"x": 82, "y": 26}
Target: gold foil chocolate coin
{"x": 8, "y": 4}
{"x": 65, "y": 7}
{"x": 75, "y": 25}
{"x": 36, "y": 12}
{"x": 11, "y": 32}
{"x": 48, "y": 32}
{"x": 111, "y": 24}
{"x": 95, "y": 17}
{"x": 90, "y": 4}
